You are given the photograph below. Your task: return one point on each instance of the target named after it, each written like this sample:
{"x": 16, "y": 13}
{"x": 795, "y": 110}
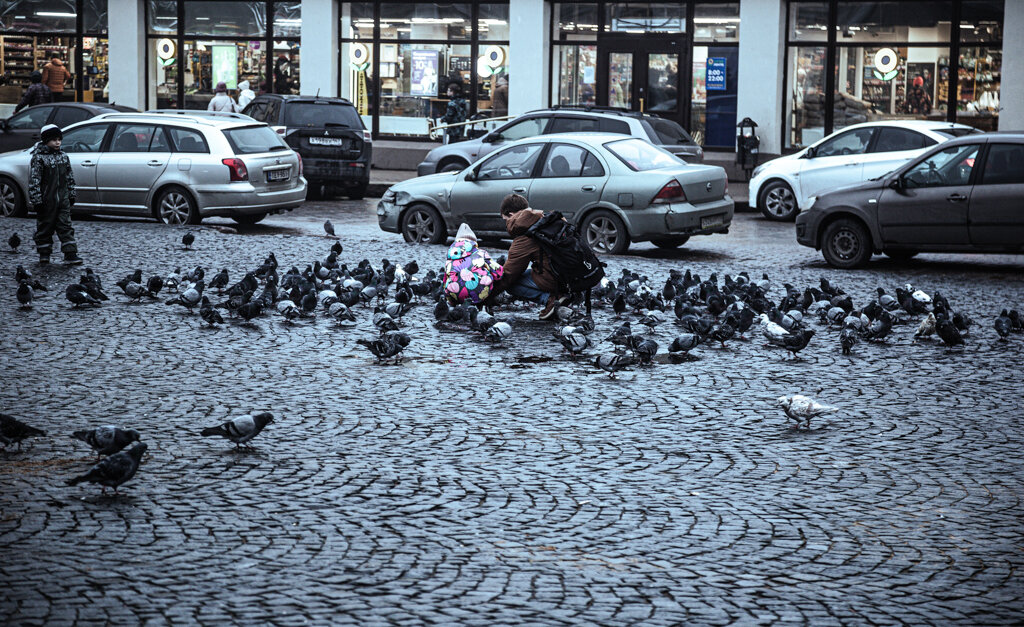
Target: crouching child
{"x": 469, "y": 272}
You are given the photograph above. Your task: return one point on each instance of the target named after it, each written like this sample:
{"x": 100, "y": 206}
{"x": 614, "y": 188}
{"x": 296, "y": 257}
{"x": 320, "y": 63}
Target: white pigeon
{"x": 927, "y": 327}
{"x": 919, "y": 295}
{"x": 803, "y": 408}
{"x": 498, "y": 332}
{"x": 773, "y": 332}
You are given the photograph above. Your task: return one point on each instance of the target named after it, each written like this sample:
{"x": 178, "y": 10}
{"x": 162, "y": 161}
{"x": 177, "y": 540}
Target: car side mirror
{"x": 811, "y": 153}
{"x": 3, "y": 125}
{"x": 470, "y": 174}
{"x": 493, "y": 138}
{"x": 896, "y": 183}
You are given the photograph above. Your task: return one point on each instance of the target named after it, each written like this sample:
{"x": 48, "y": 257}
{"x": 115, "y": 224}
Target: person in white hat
{"x": 51, "y": 191}
{"x": 245, "y": 95}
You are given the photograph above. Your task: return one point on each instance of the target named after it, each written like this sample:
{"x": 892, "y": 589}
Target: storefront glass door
{"x": 643, "y": 76}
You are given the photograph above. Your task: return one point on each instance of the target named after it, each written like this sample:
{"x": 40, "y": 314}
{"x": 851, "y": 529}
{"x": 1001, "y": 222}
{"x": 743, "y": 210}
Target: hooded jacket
{"x": 469, "y": 272}
{"x": 245, "y": 95}
{"x": 51, "y": 182}
{"x": 525, "y": 253}
{"x": 36, "y": 94}
{"x": 55, "y": 75}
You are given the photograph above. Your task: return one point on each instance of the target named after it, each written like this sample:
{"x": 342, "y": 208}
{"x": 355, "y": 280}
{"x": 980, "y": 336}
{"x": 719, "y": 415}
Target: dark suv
{"x": 327, "y": 133}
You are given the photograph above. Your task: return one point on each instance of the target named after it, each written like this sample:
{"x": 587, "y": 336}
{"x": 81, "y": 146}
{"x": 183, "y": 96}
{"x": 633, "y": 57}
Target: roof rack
{"x": 199, "y": 113}
{"x": 597, "y": 109}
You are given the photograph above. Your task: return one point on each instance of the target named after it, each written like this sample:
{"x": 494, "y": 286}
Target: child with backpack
{"x": 469, "y": 272}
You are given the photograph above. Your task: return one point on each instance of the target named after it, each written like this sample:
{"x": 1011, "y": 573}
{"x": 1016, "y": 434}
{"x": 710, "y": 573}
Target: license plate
{"x": 710, "y": 221}
{"x": 327, "y": 141}
{"x": 278, "y": 175}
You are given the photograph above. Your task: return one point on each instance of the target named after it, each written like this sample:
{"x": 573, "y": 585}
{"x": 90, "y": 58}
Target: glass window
{"x": 951, "y": 166}
{"x": 592, "y": 167}
{"x": 516, "y": 162}
{"x": 87, "y": 138}
{"x": 576, "y": 78}
{"x": 287, "y": 19}
{"x": 69, "y": 115}
{"x": 208, "y": 62}
{"x": 34, "y": 16}
{"x": 163, "y": 73}
{"x": 575, "y": 124}
{"x": 162, "y": 17}
{"x": 894, "y": 139}
{"x": 320, "y": 114}
{"x": 564, "y": 160}
{"x": 666, "y": 132}
{"x": 520, "y": 129}
{"x": 94, "y": 17}
{"x": 414, "y": 83}
{"x": 187, "y": 140}
{"x": 132, "y": 138}
{"x": 34, "y": 117}
{"x": 1004, "y": 165}
{"x": 620, "y": 80}
{"x": 231, "y": 18}
{"x": 980, "y": 74}
{"x": 426, "y": 20}
{"x": 805, "y": 72}
{"x": 286, "y": 67}
{"x": 853, "y": 142}
{"x": 256, "y": 111}
{"x": 575, "y": 21}
{"x": 159, "y": 142}
{"x": 356, "y": 20}
{"x": 641, "y": 156}
{"x": 253, "y": 139}
{"x": 95, "y": 56}
{"x": 645, "y": 17}
{"x": 893, "y": 21}
{"x": 357, "y": 79}
{"x": 614, "y": 126}
{"x": 808, "y": 21}
{"x": 493, "y": 22}
{"x": 956, "y": 132}
{"x": 716, "y": 22}
{"x": 662, "y": 83}
{"x": 981, "y": 21}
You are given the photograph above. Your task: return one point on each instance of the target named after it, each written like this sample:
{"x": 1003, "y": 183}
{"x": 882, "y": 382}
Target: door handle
{"x": 954, "y": 197}
{"x": 588, "y": 188}
{"x": 154, "y": 163}
{"x": 849, "y": 164}
{"x": 87, "y": 164}
{"x": 519, "y": 190}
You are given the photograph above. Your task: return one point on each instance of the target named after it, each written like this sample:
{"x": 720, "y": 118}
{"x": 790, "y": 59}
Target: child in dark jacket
{"x": 51, "y": 190}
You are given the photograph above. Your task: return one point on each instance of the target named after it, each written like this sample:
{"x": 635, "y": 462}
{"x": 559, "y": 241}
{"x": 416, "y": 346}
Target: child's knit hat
{"x": 49, "y": 132}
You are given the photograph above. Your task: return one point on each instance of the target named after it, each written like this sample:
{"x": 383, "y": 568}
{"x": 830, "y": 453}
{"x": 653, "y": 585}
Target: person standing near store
{"x": 456, "y": 112}
{"x": 918, "y": 100}
{"x": 51, "y": 190}
{"x": 245, "y": 95}
{"x": 221, "y": 100}
{"x": 37, "y": 93}
{"x": 54, "y": 77}
{"x": 499, "y": 103}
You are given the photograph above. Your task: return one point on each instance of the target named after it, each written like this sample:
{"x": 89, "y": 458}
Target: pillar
{"x": 318, "y": 65}
{"x": 126, "y": 28}
{"x": 1011, "y": 89}
{"x": 529, "y": 53}
{"x": 761, "y": 66}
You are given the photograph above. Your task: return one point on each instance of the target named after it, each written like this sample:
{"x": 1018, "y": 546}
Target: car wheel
{"x": 671, "y": 242}
{"x": 12, "y": 203}
{"x": 605, "y": 233}
{"x": 778, "y": 202}
{"x": 249, "y": 219}
{"x": 174, "y": 205}
{"x": 357, "y": 192}
{"x": 423, "y": 225}
{"x": 901, "y": 255}
{"x": 846, "y": 244}
{"x": 452, "y": 166}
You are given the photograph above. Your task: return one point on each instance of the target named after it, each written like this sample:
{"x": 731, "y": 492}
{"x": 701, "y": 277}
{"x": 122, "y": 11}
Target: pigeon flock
{"x": 706, "y": 314}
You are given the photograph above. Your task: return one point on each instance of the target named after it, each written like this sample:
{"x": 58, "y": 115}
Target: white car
{"x": 782, "y": 187}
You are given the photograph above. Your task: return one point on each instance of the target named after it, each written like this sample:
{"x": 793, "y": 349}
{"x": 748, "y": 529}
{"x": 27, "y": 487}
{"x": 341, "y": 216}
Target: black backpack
{"x": 575, "y": 265}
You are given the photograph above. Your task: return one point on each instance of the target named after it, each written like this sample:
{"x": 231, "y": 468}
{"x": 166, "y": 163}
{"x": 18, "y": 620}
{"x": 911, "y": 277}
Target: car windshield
{"x": 321, "y": 114}
{"x": 956, "y": 132}
{"x": 252, "y": 139}
{"x": 640, "y": 156}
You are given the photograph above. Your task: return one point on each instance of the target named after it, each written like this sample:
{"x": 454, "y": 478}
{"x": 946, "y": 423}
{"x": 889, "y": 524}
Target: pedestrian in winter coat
{"x": 54, "y": 77}
{"x": 245, "y": 95}
{"x": 37, "y": 92}
{"x": 527, "y": 272}
{"x": 499, "y": 101}
{"x": 51, "y": 190}
{"x": 457, "y": 111}
{"x": 469, "y": 272}
{"x": 221, "y": 100}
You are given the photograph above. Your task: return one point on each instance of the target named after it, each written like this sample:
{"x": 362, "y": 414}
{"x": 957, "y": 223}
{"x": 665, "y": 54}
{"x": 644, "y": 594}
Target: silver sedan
{"x": 616, "y": 190}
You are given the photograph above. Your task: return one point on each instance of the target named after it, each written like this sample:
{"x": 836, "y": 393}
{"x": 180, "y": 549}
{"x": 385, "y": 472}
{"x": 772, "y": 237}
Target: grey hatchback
{"x": 961, "y": 196}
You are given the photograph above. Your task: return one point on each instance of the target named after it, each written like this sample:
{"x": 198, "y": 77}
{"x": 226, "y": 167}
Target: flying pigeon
{"x": 241, "y": 429}
{"x": 108, "y": 439}
{"x": 13, "y": 431}
{"x": 803, "y": 408}
{"x": 14, "y": 241}
{"x": 187, "y": 239}
{"x": 114, "y": 470}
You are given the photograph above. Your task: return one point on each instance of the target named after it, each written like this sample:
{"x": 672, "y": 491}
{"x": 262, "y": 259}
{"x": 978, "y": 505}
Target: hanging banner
{"x": 362, "y": 97}
{"x": 225, "y": 65}
{"x": 424, "y": 73}
{"x": 715, "y": 78}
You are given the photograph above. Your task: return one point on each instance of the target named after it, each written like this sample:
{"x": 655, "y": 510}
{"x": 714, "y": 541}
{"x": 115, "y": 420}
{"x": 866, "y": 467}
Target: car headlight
{"x": 389, "y": 196}
{"x": 759, "y": 169}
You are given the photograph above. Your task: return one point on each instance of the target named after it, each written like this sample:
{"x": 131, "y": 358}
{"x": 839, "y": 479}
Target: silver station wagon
{"x": 616, "y": 190}
{"x": 178, "y": 167}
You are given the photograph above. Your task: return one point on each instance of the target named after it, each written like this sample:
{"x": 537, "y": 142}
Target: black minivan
{"x": 327, "y": 133}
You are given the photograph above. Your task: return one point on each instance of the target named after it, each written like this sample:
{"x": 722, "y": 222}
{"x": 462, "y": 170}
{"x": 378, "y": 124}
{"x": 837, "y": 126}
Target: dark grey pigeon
{"x": 241, "y": 429}
{"x": 25, "y": 294}
{"x": 329, "y": 228}
{"x": 77, "y": 294}
{"x": 114, "y": 470}
{"x": 13, "y": 431}
{"x": 14, "y": 241}
{"x": 187, "y": 239}
{"x": 612, "y": 363}
{"x": 108, "y": 439}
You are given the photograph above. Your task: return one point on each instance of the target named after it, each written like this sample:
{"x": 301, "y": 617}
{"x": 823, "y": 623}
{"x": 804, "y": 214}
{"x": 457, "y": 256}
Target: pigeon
{"x": 77, "y": 294}
{"x": 108, "y": 439}
{"x": 134, "y": 291}
{"x": 114, "y": 470}
{"x": 14, "y": 241}
{"x": 441, "y": 310}
{"x": 337, "y": 248}
{"x": 154, "y": 285}
{"x": 848, "y": 338}
{"x": 644, "y": 349}
{"x": 652, "y": 319}
{"x": 241, "y": 429}
{"x": 948, "y": 333}
{"x": 329, "y": 228}
{"x": 13, "y": 431}
{"x": 341, "y": 313}
{"x": 383, "y": 348}
{"x": 927, "y": 327}
{"x": 620, "y": 336}
{"x": 250, "y": 310}
{"x": 25, "y": 295}
{"x": 803, "y": 408}
{"x": 220, "y": 280}
{"x": 209, "y": 315}
{"x": 190, "y": 297}
{"x": 773, "y": 332}
{"x": 91, "y": 282}
{"x": 683, "y": 344}
{"x": 574, "y": 342}
{"x": 1003, "y": 324}
{"x": 498, "y": 332}
{"x": 21, "y": 274}
{"x": 384, "y": 322}
{"x": 187, "y": 239}
{"x": 879, "y": 328}
{"x": 612, "y": 363}
{"x": 798, "y": 341}
{"x": 288, "y": 309}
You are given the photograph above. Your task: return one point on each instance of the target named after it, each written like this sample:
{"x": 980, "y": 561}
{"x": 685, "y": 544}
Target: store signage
{"x": 165, "y": 49}
{"x": 225, "y": 65}
{"x": 886, "y": 64}
{"x": 424, "y": 73}
{"x": 254, "y": 45}
{"x": 359, "y": 55}
{"x": 715, "y": 74}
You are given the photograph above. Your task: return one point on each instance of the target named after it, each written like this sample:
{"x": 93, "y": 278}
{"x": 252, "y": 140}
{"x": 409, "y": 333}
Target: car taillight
{"x": 237, "y": 169}
{"x": 367, "y": 136}
{"x": 726, "y": 186}
{"x": 671, "y": 192}
{"x": 280, "y": 130}
{"x": 300, "y": 163}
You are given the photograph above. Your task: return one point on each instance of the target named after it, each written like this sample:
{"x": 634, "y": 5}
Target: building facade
{"x": 799, "y": 68}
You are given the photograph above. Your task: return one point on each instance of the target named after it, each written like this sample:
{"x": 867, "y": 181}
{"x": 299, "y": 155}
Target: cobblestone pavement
{"x": 408, "y": 494}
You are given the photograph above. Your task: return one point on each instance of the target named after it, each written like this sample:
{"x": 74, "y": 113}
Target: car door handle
{"x": 87, "y": 164}
{"x": 956, "y": 197}
{"x": 849, "y": 164}
{"x": 588, "y": 188}
{"x": 154, "y": 163}
{"x": 519, "y": 190}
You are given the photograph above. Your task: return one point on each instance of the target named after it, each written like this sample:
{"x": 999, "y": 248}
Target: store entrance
{"x": 643, "y": 75}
